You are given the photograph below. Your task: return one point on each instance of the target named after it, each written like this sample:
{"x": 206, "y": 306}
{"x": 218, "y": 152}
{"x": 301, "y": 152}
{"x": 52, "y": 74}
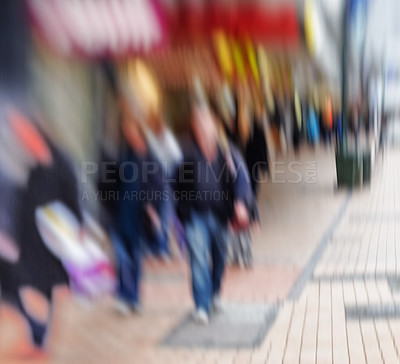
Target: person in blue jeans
{"x": 122, "y": 217}
{"x": 137, "y": 213}
{"x": 166, "y": 153}
{"x": 129, "y": 234}
{"x": 204, "y": 205}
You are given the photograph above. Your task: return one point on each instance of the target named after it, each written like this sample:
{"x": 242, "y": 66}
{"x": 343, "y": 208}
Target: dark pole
{"x": 343, "y": 147}
{"x": 382, "y": 114}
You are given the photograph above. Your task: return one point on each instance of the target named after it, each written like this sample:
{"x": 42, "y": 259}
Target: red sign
{"x": 268, "y": 24}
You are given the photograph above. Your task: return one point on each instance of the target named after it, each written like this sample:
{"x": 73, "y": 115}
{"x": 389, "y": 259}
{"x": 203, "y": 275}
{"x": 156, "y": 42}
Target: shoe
{"x": 200, "y": 316}
{"x": 122, "y": 308}
{"x": 218, "y": 305}
{"x": 136, "y": 308}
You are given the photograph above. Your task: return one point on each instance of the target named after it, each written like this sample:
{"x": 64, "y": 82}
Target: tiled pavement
{"x": 349, "y": 310}
{"x": 344, "y": 308}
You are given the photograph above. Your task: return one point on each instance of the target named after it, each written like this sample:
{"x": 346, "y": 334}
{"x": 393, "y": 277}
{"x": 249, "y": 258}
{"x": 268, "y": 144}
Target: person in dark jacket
{"x": 204, "y": 205}
{"x": 255, "y": 150}
{"x": 36, "y": 271}
{"x": 297, "y": 121}
{"x": 256, "y": 155}
{"x": 137, "y": 221}
{"x": 245, "y": 202}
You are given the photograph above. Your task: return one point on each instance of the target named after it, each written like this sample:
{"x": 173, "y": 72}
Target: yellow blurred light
{"x": 251, "y": 53}
{"x": 224, "y": 55}
{"x": 239, "y": 61}
{"x": 265, "y": 71}
{"x": 144, "y": 86}
{"x": 309, "y": 24}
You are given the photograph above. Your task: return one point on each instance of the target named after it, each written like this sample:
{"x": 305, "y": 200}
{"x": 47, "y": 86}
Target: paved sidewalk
{"x": 349, "y": 310}
{"x": 335, "y": 295}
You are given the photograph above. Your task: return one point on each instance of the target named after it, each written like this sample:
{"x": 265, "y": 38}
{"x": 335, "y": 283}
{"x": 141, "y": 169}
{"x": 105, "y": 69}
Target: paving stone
{"x": 371, "y": 345}
{"x": 348, "y": 293}
{"x": 355, "y": 343}
{"x": 279, "y": 333}
{"x": 384, "y": 292}
{"x": 292, "y": 351}
{"x": 242, "y": 357}
{"x": 339, "y": 333}
{"x": 239, "y": 325}
{"x": 374, "y": 297}
{"x": 361, "y": 293}
{"x": 386, "y": 342}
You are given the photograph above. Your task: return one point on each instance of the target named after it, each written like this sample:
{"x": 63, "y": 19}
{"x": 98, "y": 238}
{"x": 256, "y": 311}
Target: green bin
{"x": 349, "y": 170}
{"x": 366, "y": 168}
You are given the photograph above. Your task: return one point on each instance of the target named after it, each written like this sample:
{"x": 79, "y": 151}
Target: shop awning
{"x": 97, "y": 28}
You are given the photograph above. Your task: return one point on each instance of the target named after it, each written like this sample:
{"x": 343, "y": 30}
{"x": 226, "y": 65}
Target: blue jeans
{"x": 129, "y": 268}
{"x": 207, "y": 245}
{"x": 158, "y": 240}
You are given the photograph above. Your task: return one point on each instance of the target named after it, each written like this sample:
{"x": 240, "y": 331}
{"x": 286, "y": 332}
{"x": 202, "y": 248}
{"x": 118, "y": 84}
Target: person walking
{"x": 205, "y": 205}
{"x": 137, "y": 214}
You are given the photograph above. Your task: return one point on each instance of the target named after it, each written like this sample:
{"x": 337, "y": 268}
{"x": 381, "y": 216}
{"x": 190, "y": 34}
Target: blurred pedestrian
{"x": 245, "y": 202}
{"x": 137, "y": 222}
{"x": 312, "y": 125}
{"x": 205, "y": 206}
{"x": 30, "y": 275}
{"x": 167, "y": 155}
{"x": 327, "y": 120}
{"x": 297, "y": 121}
{"x": 255, "y": 151}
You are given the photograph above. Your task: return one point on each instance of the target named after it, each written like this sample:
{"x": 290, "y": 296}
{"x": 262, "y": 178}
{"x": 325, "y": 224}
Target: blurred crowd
{"x": 196, "y": 188}
{"x": 105, "y": 161}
